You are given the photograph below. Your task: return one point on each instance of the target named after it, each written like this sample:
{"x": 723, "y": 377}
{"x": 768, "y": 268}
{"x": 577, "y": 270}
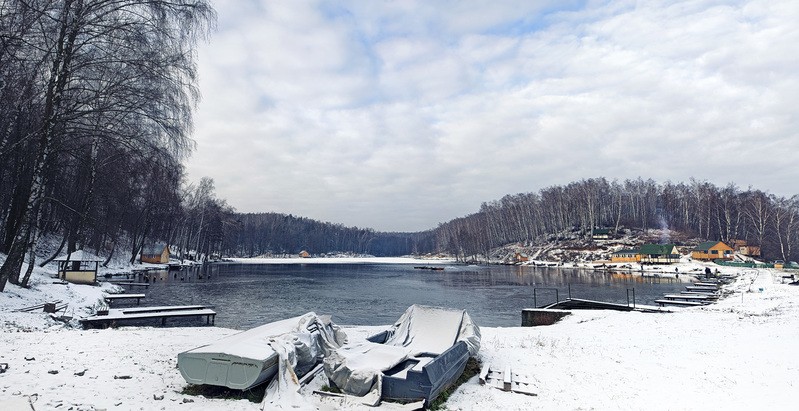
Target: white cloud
{"x": 400, "y": 115}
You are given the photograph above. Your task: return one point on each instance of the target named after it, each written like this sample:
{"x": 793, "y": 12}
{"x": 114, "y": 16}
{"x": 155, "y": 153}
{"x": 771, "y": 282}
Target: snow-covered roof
{"x": 707, "y": 245}
{"x": 79, "y": 255}
{"x": 657, "y": 249}
{"x": 628, "y": 251}
{"x": 154, "y": 249}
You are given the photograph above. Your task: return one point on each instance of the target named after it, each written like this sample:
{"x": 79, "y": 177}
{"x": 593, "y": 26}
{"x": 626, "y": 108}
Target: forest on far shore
{"x": 698, "y": 209}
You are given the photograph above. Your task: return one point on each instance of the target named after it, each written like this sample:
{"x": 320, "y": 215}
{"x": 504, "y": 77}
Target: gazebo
{"x": 78, "y": 267}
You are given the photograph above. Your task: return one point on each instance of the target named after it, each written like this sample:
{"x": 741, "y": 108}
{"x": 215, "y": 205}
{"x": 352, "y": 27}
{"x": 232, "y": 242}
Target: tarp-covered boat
{"x": 422, "y": 354}
{"x": 249, "y": 358}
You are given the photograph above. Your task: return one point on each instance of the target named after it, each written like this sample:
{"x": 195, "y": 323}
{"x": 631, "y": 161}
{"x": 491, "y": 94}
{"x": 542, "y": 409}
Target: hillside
{"x": 575, "y": 249}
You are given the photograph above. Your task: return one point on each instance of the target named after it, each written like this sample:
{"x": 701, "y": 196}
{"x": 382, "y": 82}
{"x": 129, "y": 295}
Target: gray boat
{"x": 421, "y": 355}
{"x": 244, "y": 360}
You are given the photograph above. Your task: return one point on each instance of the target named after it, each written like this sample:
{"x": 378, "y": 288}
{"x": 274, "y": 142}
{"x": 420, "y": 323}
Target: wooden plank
{"x": 677, "y": 302}
{"x": 122, "y": 296}
{"x": 507, "y": 379}
{"x": 131, "y": 284}
{"x": 709, "y": 293}
{"x": 687, "y": 297}
{"x": 484, "y": 372}
{"x": 34, "y": 307}
{"x": 699, "y": 288}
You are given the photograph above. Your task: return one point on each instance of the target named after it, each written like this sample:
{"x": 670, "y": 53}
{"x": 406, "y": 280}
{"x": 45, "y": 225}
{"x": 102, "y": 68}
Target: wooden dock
{"x": 706, "y": 284}
{"x": 698, "y": 294}
{"x": 711, "y": 293}
{"x": 117, "y": 316}
{"x": 109, "y": 298}
{"x": 682, "y": 303}
{"x": 689, "y": 297}
{"x": 130, "y": 283}
{"x": 701, "y": 288}
{"x": 581, "y": 304}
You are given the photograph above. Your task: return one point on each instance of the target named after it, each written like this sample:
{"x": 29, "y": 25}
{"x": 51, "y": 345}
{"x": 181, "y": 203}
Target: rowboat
{"x": 421, "y": 355}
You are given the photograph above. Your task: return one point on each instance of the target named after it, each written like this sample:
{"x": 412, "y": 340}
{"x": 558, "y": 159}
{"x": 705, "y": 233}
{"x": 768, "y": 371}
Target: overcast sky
{"x": 398, "y": 115}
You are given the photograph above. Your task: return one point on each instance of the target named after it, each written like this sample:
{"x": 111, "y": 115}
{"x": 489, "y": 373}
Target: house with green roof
{"x": 601, "y": 233}
{"x": 711, "y": 250}
{"x": 659, "y": 254}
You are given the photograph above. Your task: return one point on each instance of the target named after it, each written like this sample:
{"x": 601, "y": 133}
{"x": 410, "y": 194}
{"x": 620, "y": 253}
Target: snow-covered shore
{"x": 735, "y": 354}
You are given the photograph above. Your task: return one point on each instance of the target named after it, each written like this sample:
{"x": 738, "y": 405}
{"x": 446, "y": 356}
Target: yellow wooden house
{"x": 155, "y": 254}
{"x": 712, "y": 250}
{"x": 626, "y": 256}
{"x": 79, "y": 267}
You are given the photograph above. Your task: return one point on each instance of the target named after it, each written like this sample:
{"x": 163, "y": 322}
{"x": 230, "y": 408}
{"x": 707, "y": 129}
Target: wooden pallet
{"x": 506, "y": 380}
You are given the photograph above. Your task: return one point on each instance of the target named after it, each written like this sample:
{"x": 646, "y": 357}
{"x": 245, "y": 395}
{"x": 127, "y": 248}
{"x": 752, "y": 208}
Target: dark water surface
{"x": 248, "y": 295}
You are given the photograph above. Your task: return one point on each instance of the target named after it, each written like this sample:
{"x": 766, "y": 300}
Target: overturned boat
{"x": 249, "y": 358}
{"x": 421, "y": 355}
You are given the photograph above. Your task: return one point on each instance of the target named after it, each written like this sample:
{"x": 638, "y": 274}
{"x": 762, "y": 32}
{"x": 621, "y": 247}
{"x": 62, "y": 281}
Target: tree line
{"x": 697, "y": 208}
{"x": 96, "y": 100}
{"x": 259, "y": 234}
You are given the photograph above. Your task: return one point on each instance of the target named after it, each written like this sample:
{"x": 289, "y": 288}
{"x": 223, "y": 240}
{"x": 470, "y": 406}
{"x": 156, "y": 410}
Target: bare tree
{"x": 113, "y": 72}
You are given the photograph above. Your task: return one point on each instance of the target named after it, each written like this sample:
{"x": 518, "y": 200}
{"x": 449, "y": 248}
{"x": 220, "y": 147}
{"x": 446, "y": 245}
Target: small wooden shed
{"x": 305, "y": 254}
{"x": 711, "y": 250}
{"x": 601, "y": 233}
{"x": 155, "y": 254}
{"x": 79, "y": 267}
{"x": 743, "y": 248}
{"x": 520, "y": 258}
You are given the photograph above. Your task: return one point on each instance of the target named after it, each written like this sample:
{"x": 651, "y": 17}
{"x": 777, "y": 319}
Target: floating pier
{"x": 701, "y": 288}
{"x": 581, "y": 304}
{"x": 109, "y": 298}
{"x": 130, "y": 283}
{"x": 689, "y": 297}
{"x": 682, "y": 303}
{"x": 116, "y": 316}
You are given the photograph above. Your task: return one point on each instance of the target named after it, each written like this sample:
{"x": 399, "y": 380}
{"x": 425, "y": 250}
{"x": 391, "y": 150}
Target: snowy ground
{"x": 737, "y": 354}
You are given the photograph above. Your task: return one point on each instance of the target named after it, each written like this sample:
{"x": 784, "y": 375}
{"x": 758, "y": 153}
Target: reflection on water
{"x": 248, "y": 295}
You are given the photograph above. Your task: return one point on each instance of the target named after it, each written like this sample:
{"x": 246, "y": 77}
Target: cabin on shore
{"x": 305, "y": 254}
{"x": 78, "y": 267}
{"x": 712, "y": 250}
{"x": 659, "y": 254}
{"x": 520, "y": 258}
{"x": 743, "y": 248}
{"x": 626, "y": 256}
{"x": 155, "y": 254}
{"x": 601, "y": 233}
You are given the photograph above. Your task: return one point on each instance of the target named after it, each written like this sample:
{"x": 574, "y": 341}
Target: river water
{"x": 248, "y": 295}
